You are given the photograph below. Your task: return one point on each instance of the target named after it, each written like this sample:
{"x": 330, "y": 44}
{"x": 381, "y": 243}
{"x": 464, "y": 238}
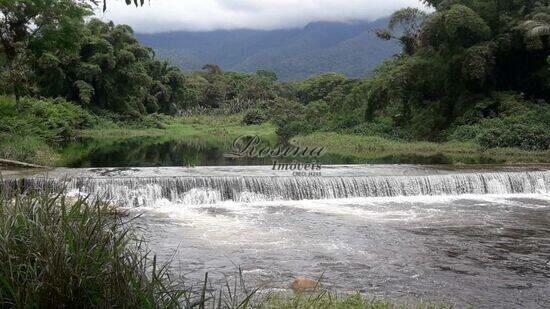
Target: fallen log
{"x": 12, "y": 163}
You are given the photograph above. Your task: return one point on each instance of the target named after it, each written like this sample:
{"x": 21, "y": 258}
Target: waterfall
{"x": 146, "y": 191}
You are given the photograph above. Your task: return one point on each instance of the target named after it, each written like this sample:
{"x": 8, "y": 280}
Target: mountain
{"x": 349, "y": 48}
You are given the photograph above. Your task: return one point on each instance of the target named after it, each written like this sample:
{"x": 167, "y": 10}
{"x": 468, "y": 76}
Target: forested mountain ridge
{"x": 349, "y": 48}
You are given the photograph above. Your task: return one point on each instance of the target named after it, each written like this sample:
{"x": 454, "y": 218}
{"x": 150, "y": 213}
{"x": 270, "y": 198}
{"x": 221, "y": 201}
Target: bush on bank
{"x": 48, "y": 119}
{"x": 28, "y": 130}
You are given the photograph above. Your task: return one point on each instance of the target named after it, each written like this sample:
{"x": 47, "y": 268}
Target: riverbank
{"x": 58, "y": 133}
{"x": 374, "y": 149}
{"x": 210, "y": 130}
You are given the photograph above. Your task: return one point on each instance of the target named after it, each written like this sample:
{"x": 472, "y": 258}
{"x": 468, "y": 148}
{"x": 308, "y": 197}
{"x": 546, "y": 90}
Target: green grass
{"x": 218, "y": 126}
{"x": 30, "y": 149}
{"x": 373, "y": 149}
{"x": 327, "y": 300}
{"x": 340, "y": 147}
{"x": 60, "y": 253}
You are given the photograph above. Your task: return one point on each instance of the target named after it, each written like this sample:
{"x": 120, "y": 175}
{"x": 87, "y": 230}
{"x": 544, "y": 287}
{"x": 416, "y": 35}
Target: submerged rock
{"x": 302, "y": 284}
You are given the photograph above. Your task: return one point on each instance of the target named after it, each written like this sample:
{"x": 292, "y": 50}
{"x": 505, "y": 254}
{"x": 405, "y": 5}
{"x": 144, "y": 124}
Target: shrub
{"x": 293, "y": 128}
{"x": 255, "y": 116}
{"x": 522, "y": 132}
{"x": 288, "y": 116}
{"x": 382, "y": 126}
{"x": 465, "y": 133}
{"x": 46, "y": 118}
{"x": 317, "y": 114}
{"x": 528, "y": 131}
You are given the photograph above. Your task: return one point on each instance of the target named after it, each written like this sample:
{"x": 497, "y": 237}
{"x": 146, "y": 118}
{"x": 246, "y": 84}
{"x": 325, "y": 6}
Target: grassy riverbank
{"x": 61, "y": 252}
{"x": 189, "y": 126}
{"x": 35, "y": 132}
{"x": 374, "y": 149}
{"x": 221, "y": 130}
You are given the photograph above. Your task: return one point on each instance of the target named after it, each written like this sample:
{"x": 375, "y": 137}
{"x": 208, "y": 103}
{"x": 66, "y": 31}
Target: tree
{"x": 457, "y": 59}
{"x": 408, "y": 20}
{"x": 24, "y": 21}
{"x": 212, "y": 69}
{"x": 107, "y": 69}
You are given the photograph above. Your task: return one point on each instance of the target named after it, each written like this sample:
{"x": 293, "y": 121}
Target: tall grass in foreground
{"x": 60, "y": 253}
{"x": 57, "y": 252}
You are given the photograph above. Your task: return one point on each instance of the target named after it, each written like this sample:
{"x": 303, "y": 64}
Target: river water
{"x": 472, "y": 236}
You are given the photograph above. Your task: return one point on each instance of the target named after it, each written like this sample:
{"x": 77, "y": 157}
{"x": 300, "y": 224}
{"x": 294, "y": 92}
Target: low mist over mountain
{"x": 349, "y": 48}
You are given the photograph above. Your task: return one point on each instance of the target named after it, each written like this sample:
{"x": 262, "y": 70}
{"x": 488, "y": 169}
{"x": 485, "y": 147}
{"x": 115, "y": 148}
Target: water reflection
{"x": 200, "y": 151}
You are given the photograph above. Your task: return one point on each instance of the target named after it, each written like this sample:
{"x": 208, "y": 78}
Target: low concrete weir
{"x": 143, "y": 191}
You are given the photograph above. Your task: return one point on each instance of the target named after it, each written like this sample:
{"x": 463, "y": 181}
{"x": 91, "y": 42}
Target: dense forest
{"x": 471, "y": 70}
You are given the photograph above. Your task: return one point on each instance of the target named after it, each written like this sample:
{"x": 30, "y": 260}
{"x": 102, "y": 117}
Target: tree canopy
{"x": 464, "y": 51}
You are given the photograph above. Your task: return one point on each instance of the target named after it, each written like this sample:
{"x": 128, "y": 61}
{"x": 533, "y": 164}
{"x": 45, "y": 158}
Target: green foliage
{"x": 382, "y": 126}
{"x": 537, "y": 26}
{"x": 99, "y": 65}
{"x": 409, "y": 19}
{"x": 466, "y": 52}
{"x": 288, "y": 117}
{"x": 529, "y": 130}
{"x": 30, "y": 149}
{"x": 521, "y": 132}
{"x": 61, "y": 253}
{"x": 520, "y": 123}
{"x": 470, "y": 70}
{"x": 269, "y": 75}
{"x": 113, "y": 71}
{"x": 28, "y": 26}
{"x": 255, "y": 116}
{"x": 318, "y": 87}
{"x": 48, "y": 119}
{"x": 456, "y": 27}
{"x": 328, "y": 300}
{"x": 28, "y": 129}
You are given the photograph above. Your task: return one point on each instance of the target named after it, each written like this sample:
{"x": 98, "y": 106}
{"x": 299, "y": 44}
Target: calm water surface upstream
{"x": 159, "y": 151}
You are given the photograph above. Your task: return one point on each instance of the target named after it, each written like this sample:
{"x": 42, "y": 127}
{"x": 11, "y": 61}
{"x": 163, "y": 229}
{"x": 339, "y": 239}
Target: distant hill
{"x": 349, "y": 48}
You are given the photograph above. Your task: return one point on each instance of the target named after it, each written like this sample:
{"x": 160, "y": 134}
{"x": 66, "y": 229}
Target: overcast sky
{"x": 203, "y": 15}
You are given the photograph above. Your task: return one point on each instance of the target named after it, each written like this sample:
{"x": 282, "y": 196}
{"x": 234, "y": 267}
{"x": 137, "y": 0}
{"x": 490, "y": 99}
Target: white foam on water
{"x": 234, "y": 223}
{"x": 186, "y": 191}
{"x": 239, "y": 223}
{"x": 198, "y": 196}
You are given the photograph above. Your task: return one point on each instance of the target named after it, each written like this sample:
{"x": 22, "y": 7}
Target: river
{"x": 475, "y": 236}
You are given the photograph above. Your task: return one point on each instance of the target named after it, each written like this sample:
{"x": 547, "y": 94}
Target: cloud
{"x": 205, "y": 15}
